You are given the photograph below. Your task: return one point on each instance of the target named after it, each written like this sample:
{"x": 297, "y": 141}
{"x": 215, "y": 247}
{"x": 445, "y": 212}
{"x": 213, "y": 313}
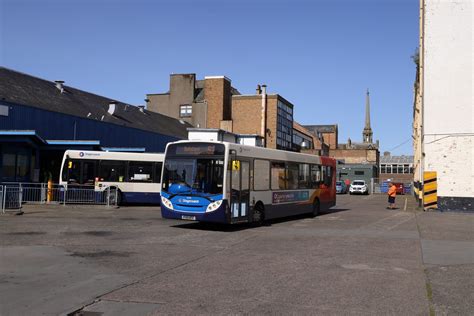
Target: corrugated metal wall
{"x": 52, "y": 125}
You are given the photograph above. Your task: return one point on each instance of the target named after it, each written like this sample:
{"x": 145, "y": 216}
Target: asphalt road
{"x": 360, "y": 258}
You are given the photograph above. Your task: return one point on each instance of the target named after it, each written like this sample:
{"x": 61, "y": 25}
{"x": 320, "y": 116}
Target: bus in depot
{"x": 134, "y": 177}
{"x": 230, "y": 183}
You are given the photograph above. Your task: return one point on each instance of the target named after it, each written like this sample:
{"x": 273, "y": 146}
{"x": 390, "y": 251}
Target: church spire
{"x": 367, "y": 132}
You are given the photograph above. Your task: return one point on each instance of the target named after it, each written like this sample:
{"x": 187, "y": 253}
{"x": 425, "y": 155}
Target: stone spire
{"x": 367, "y": 132}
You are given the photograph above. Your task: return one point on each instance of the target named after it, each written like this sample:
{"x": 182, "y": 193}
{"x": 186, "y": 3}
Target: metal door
{"x": 240, "y": 190}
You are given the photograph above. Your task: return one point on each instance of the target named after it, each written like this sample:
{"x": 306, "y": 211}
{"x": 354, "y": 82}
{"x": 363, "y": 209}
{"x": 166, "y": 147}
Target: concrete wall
{"x": 181, "y": 92}
{"x": 447, "y": 50}
{"x": 357, "y": 156}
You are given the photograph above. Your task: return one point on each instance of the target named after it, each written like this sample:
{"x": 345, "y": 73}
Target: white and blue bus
{"x": 231, "y": 183}
{"x": 136, "y": 176}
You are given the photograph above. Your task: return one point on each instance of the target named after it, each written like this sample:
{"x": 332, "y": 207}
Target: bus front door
{"x": 240, "y": 188}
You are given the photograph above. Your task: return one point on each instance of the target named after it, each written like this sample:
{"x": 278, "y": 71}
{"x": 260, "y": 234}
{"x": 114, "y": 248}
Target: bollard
{"x": 49, "y": 196}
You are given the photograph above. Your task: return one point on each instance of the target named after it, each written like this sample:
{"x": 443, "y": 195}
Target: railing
{"x": 378, "y": 185}
{"x": 14, "y": 195}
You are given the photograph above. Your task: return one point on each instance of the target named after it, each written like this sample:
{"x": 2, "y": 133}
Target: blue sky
{"x": 319, "y": 55}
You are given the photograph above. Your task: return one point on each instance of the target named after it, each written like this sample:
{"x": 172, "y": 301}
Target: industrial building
{"x": 443, "y": 115}
{"x": 40, "y": 119}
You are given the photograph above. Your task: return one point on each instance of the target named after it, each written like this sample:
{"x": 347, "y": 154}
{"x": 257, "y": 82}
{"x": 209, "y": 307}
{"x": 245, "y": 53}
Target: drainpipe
{"x": 264, "y": 115}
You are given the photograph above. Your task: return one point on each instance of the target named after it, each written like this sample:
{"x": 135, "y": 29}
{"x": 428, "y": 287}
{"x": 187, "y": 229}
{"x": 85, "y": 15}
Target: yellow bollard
{"x": 49, "y": 196}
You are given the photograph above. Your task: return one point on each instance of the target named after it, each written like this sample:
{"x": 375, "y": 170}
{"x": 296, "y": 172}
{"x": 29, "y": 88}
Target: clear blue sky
{"x": 320, "y": 55}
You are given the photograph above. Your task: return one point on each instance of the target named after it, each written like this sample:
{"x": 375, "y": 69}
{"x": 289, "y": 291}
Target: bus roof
{"x": 100, "y": 155}
{"x": 267, "y": 153}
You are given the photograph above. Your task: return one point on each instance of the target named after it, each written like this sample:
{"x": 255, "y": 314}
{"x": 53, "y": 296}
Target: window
{"x": 292, "y": 179}
{"x": 383, "y": 168}
{"x": 406, "y": 168}
{"x": 328, "y": 176}
{"x": 140, "y": 171}
{"x": 112, "y": 171}
{"x": 315, "y": 176}
{"x": 284, "y": 126}
{"x": 278, "y": 176}
{"x": 394, "y": 169}
{"x": 261, "y": 174}
{"x": 88, "y": 172}
{"x": 400, "y": 168}
{"x": 359, "y": 173}
{"x": 185, "y": 110}
{"x": 303, "y": 177}
{"x": 158, "y": 167}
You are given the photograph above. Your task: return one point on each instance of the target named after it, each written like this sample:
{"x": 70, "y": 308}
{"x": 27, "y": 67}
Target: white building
{"x": 444, "y": 104}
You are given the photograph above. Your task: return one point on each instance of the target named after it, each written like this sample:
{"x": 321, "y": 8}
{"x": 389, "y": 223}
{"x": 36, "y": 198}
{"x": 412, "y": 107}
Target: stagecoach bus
{"x": 136, "y": 176}
{"x": 231, "y": 183}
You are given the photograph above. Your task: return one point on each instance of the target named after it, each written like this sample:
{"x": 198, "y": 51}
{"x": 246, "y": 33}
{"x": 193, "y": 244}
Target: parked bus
{"x": 136, "y": 176}
{"x": 231, "y": 183}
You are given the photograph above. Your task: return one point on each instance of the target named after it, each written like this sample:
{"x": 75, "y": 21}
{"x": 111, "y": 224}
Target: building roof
{"x": 387, "y": 159}
{"x": 321, "y": 128}
{"x": 23, "y": 89}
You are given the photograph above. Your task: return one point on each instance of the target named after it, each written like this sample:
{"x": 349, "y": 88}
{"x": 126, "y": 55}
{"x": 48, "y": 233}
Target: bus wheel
{"x": 258, "y": 216}
{"x": 316, "y": 208}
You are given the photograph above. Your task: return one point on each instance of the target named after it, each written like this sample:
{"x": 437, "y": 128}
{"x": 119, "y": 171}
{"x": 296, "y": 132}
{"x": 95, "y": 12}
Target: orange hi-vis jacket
{"x": 392, "y": 191}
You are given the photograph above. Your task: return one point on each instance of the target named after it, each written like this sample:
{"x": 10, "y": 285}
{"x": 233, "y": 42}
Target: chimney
{"x": 264, "y": 89}
{"x": 111, "y": 107}
{"x": 258, "y": 90}
{"x": 59, "y": 85}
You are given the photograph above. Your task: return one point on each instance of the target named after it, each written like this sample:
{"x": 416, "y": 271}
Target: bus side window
{"x": 278, "y": 176}
{"x": 292, "y": 179}
{"x": 328, "y": 175}
{"x": 304, "y": 176}
{"x": 262, "y": 174}
{"x": 315, "y": 176}
{"x": 158, "y": 167}
{"x": 140, "y": 171}
{"x": 112, "y": 170}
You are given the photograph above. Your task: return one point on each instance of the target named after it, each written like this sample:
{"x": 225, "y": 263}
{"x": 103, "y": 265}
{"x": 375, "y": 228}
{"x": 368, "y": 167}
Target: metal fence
{"x": 378, "y": 185}
{"x": 14, "y": 195}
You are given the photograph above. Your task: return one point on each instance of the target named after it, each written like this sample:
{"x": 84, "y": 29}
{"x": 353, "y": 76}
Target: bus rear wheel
{"x": 316, "y": 208}
{"x": 258, "y": 215}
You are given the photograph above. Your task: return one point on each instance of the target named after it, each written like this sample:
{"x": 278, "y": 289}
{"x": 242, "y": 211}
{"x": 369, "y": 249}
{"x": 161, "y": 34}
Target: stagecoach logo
{"x": 290, "y": 196}
{"x": 188, "y": 200}
{"x": 81, "y": 154}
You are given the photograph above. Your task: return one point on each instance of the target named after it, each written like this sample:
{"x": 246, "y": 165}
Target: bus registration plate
{"x": 189, "y": 218}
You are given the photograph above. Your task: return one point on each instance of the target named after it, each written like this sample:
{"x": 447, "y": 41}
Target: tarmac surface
{"x": 359, "y": 259}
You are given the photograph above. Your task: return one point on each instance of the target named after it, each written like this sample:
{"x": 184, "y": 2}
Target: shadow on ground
{"x": 239, "y": 227}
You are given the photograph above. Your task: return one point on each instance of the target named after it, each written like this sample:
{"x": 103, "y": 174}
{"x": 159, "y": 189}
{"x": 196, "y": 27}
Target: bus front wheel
{"x": 258, "y": 216}
{"x": 115, "y": 196}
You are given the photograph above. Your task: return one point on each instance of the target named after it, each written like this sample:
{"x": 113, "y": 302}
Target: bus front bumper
{"x": 220, "y": 215}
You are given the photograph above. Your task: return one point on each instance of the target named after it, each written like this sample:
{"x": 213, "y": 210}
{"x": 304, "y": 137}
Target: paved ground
{"x": 357, "y": 259}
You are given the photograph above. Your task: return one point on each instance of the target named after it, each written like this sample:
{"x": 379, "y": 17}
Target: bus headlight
{"x": 166, "y": 202}
{"x": 214, "y": 206}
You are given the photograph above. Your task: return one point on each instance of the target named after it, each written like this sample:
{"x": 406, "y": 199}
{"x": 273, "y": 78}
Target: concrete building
{"x": 202, "y": 103}
{"x": 443, "y": 126}
{"x": 40, "y": 119}
{"x": 396, "y": 168}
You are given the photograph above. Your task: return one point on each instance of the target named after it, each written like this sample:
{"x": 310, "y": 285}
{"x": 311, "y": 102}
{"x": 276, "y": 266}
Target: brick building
{"x": 214, "y": 103}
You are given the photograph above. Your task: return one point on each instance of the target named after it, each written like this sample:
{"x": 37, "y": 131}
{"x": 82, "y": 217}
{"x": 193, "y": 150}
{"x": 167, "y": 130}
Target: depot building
{"x": 40, "y": 119}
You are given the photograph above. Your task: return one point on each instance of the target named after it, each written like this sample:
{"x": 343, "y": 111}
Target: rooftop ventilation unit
{"x": 59, "y": 85}
{"x": 111, "y": 107}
